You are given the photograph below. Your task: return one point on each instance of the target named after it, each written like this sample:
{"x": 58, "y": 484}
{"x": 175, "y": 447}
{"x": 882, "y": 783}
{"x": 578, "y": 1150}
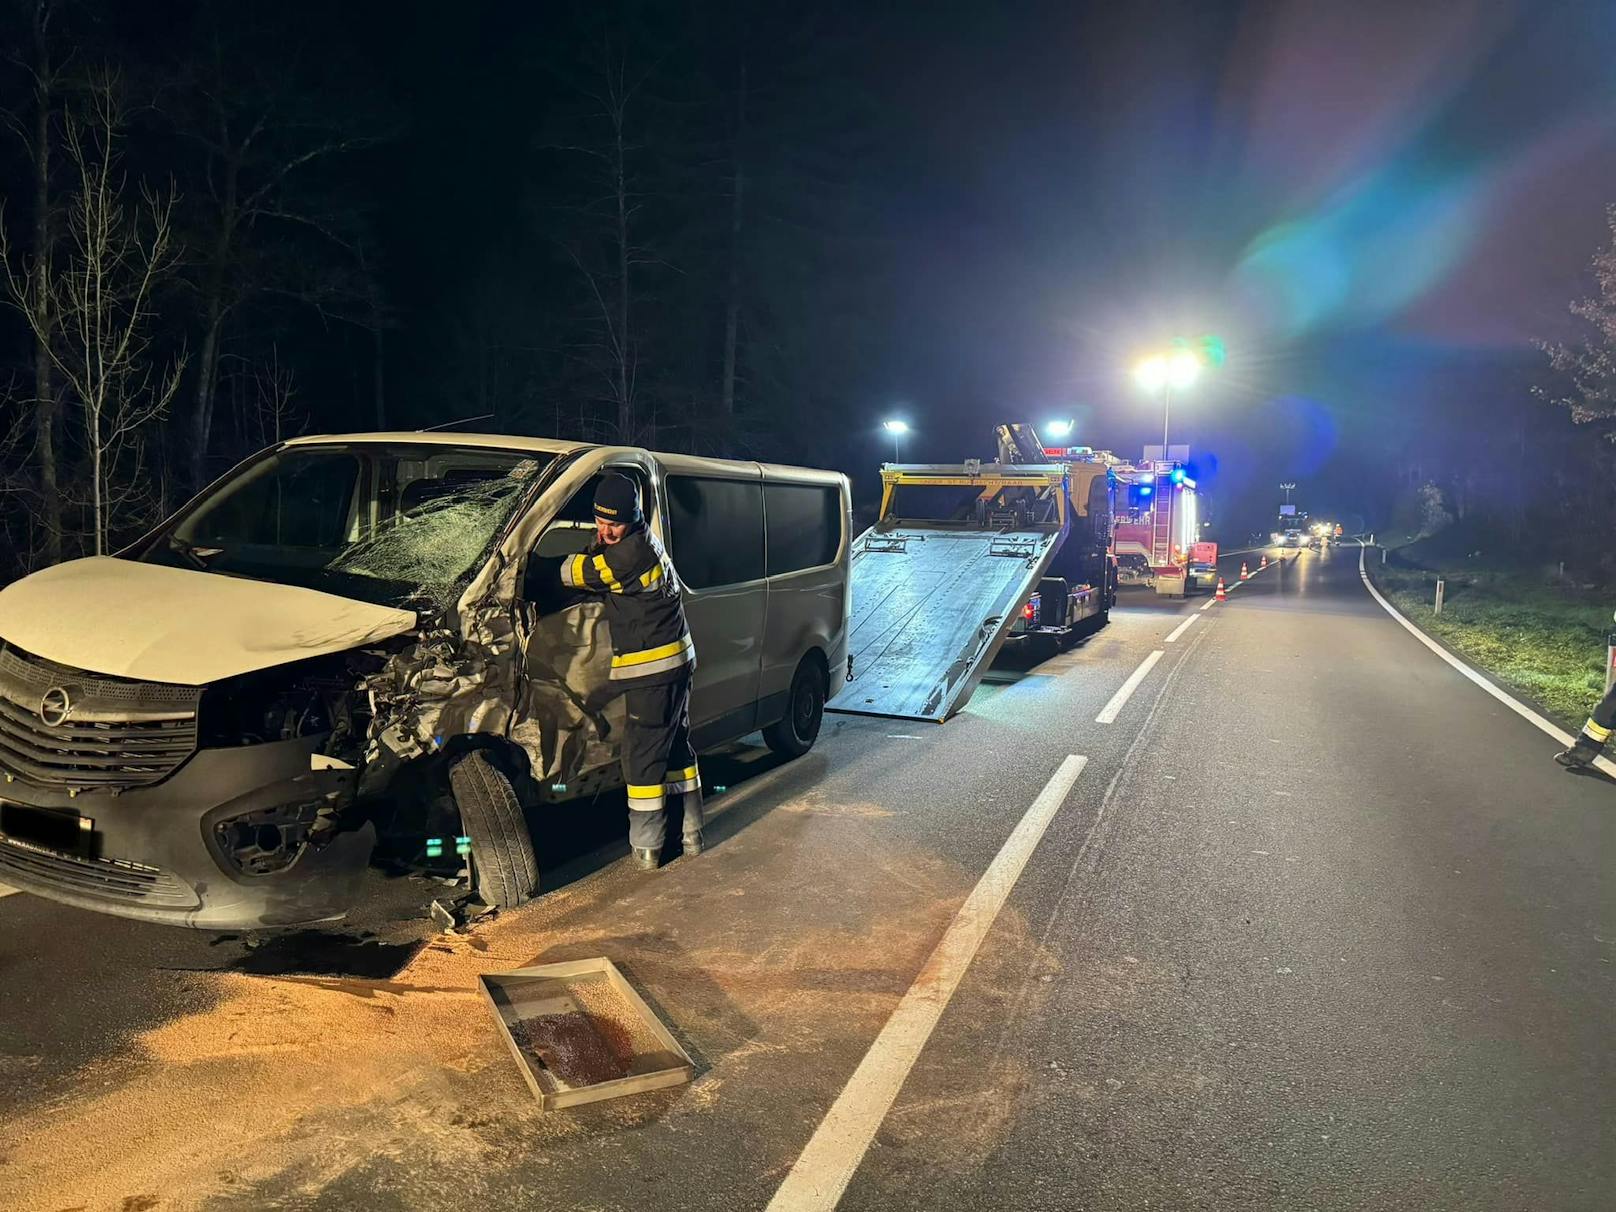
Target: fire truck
{"x": 1157, "y": 535}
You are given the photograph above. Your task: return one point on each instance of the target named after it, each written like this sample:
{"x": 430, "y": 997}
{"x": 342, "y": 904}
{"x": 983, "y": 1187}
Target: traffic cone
{"x": 1245, "y": 575}
{"x": 1223, "y": 595}
{"x": 1263, "y": 565}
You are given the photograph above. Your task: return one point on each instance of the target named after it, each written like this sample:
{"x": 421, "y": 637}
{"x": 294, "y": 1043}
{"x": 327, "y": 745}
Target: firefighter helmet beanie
{"x": 617, "y": 500}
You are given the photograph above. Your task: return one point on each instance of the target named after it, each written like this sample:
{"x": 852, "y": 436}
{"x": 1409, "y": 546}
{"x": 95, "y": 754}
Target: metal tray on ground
{"x": 580, "y": 1033}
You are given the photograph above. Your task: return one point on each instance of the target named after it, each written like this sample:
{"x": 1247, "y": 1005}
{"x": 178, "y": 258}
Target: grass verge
{"x": 1546, "y": 642}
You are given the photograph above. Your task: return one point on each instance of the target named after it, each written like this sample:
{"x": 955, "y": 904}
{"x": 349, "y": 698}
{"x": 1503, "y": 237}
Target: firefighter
{"x": 1591, "y": 740}
{"x": 653, "y": 658}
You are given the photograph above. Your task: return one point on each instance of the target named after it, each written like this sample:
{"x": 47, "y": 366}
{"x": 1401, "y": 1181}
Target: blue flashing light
{"x": 1145, "y": 490}
{"x": 1178, "y": 475}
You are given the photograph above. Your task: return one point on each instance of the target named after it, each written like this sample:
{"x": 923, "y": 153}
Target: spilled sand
{"x": 289, "y": 1084}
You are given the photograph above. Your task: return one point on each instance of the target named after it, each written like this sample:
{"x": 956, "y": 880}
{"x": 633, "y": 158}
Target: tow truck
{"x": 965, "y": 557}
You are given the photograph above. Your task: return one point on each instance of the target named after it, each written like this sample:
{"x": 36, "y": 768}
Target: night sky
{"x": 1379, "y": 207}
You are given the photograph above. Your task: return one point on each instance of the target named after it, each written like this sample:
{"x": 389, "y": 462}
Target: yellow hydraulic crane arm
{"x": 989, "y": 479}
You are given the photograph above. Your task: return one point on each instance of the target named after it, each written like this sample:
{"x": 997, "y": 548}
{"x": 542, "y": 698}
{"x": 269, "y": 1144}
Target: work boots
{"x": 646, "y": 858}
{"x": 692, "y": 843}
{"x": 1580, "y": 756}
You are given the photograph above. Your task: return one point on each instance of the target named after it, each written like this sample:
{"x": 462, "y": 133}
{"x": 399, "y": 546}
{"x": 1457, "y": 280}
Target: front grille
{"x": 117, "y": 734}
{"x": 103, "y": 879}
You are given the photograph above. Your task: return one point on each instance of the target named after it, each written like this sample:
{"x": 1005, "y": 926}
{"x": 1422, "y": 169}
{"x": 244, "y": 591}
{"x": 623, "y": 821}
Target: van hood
{"x": 156, "y": 624}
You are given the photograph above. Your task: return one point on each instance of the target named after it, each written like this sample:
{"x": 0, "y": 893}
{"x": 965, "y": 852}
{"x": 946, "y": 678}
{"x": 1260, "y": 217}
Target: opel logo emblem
{"x": 55, "y": 707}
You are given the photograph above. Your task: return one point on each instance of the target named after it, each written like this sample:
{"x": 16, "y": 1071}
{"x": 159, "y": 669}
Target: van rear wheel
{"x": 795, "y": 733}
{"x": 504, "y": 870}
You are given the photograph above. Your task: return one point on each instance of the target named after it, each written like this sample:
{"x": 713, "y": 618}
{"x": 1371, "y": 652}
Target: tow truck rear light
{"x": 1030, "y": 610}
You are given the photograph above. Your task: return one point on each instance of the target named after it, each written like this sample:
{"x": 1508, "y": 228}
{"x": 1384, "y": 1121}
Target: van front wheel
{"x": 795, "y": 733}
{"x": 504, "y": 869}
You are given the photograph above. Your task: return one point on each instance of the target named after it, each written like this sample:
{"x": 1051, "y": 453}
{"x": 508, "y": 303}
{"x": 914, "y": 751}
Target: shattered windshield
{"x": 400, "y": 525}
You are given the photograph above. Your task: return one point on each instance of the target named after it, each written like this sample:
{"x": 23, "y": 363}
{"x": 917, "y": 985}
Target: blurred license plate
{"x": 51, "y": 828}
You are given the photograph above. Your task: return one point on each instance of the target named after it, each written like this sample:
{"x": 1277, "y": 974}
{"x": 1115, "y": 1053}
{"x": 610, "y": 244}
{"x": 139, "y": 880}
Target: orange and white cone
{"x": 1223, "y": 594}
{"x": 1245, "y": 573}
{"x": 1263, "y": 565}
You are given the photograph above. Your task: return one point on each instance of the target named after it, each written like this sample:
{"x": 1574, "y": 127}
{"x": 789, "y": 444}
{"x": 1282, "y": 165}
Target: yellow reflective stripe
{"x": 651, "y": 577}
{"x": 646, "y": 656}
{"x": 688, "y": 779}
{"x": 572, "y": 572}
{"x": 1595, "y": 731}
{"x": 639, "y": 792}
{"x": 606, "y": 577}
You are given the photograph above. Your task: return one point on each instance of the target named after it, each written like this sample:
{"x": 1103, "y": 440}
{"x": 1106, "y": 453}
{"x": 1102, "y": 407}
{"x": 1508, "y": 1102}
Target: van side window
{"x": 717, "y": 530}
{"x": 298, "y": 500}
{"x": 804, "y": 526}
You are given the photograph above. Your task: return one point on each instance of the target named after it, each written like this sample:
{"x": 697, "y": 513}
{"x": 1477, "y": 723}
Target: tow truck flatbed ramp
{"x": 932, "y": 604}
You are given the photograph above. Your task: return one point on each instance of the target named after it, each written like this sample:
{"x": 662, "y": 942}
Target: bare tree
{"x": 35, "y": 129}
{"x": 1589, "y": 366}
{"x": 99, "y": 293}
{"x": 265, "y": 127}
{"x": 274, "y": 417}
{"x": 605, "y": 222}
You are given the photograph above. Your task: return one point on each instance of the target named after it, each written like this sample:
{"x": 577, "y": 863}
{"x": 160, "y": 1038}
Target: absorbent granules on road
{"x": 309, "y": 1091}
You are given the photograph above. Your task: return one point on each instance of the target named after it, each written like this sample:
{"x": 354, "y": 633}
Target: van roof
{"x": 688, "y": 464}
{"x": 480, "y": 441}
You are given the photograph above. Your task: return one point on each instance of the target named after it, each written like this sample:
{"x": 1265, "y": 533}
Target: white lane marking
{"x": 838, "y": 1145}
{"x": 1119, "y": 700}
{"x": 1210, "y": 604}
{"x": 1514, "y": 704}
{"x": 5, "y": 891}
{"x": 1181, "y": 629}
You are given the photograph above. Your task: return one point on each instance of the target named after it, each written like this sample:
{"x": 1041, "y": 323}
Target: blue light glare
{"x": 1367, "y": 252}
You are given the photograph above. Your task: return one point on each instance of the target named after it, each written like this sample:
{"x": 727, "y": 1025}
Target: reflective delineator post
{"x": 1441, "y": 586}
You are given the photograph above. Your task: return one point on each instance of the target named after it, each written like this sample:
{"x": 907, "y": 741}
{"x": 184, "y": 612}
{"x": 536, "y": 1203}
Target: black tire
{"x": 503, "y": 867}
{"x": 795, "y": 734}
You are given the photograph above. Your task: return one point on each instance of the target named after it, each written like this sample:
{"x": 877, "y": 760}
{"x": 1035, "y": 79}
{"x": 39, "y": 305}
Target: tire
{"x": 795, "y": 734}
{"x": 503, "y": 867}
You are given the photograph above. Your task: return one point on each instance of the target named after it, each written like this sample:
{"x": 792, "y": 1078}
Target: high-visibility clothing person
{"x": 653, "y": 658}
{"x": 1591, "y": 741}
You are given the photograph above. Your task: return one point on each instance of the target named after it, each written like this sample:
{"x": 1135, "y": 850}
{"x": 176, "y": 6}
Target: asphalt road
{"x": 1318, "y": 925}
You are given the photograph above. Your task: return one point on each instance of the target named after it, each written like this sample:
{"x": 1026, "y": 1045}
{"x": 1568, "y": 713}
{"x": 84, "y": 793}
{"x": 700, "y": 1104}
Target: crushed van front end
{"x": 111, "y": 801}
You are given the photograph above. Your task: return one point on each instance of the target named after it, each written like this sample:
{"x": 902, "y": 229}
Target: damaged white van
{"x": 362, "y": 641}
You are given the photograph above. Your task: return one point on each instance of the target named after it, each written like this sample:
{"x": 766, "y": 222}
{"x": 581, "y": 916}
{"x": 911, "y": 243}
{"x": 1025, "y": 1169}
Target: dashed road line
{"x": 816, "y": 1183}
{"x": 1108, "y": 715}
{"x": 1514, "y": 704}
{"x": 1181, "y": 629}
